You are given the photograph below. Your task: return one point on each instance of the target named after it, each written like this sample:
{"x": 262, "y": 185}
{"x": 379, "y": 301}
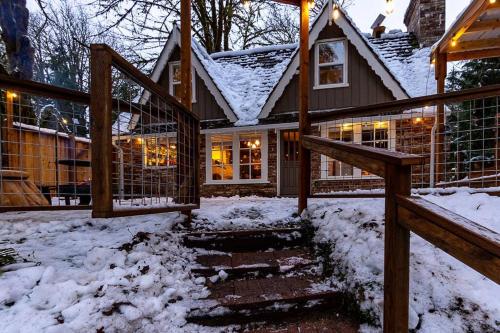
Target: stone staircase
{"x": 265, "y": 280}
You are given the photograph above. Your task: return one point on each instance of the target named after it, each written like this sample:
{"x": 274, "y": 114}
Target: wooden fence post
{"x": 304, "y": 121}
{"x": 101, "y": 108}
{"x": 396, "y": 252}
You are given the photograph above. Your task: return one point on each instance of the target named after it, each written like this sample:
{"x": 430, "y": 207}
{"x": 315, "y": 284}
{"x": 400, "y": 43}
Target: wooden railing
{"x": 476, "y": 246}
{"x": 103, "y": 61}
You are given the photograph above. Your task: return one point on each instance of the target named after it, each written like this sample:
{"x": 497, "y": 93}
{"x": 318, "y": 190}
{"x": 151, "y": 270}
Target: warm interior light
{"x": 389, "y": 7}
{"x": 139, "y": 141}
{"x": 418, "y": 120}
{"x": 11, "y": 94}
{"x": 246, "y": 4}
{"x": 257, "y": 142}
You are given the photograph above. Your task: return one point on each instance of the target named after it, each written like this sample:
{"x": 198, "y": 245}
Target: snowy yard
{"x": 133, "y": 274}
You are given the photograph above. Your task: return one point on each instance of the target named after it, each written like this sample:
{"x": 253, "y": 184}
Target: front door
{"x": 289, "y": 162}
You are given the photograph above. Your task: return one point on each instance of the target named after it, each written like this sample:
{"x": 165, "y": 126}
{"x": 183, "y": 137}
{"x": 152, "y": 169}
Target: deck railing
{"x": 145, "y": 151}
{"x": 456, "y": 132}
{"x": 469, "y": 242}
{"x": 138, "y": 153}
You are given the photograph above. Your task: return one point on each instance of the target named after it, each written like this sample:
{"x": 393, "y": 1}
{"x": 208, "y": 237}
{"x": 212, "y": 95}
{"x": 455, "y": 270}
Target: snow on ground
{"x": 133, "y": 275}
{"x": 121, "y": 274}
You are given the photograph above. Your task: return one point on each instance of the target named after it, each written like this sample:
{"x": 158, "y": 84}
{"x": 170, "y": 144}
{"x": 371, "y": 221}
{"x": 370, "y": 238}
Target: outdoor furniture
{"x": 81, "y": 190}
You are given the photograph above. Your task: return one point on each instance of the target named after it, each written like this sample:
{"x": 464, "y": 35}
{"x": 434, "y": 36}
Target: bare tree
{"x": 14, "y": 18}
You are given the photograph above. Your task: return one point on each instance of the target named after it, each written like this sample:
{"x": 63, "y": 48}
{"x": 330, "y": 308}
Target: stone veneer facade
{"x": 426, "y": 19}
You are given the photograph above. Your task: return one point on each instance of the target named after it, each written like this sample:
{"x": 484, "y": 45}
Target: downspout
{"x": 121, "y": 186}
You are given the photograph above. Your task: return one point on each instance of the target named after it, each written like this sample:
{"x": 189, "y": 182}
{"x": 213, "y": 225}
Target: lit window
{"x": 222, "y": 157}
{"x": 160, "y": 152}
{"x": 175, "y": 81}
{"x": 343, "y": 133}
{"x": 250, "y": 157}
{"x": 331, "y": 64}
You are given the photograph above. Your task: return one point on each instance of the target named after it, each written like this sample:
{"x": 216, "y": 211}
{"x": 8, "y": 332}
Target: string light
{"x": 389, "y": 7}
{"x": 453, "y": 43}
{"x": 246, "y": 4}
{"x": 312, "y": 4}
{"x": 493, "y": 1}
{"x": 336, "y": 11}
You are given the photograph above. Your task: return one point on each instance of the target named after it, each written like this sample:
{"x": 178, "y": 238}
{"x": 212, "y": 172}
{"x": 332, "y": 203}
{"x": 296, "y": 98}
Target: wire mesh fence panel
{"x": 153, "y": 147}
{"x": 45, "y": 151}
{"x": 462, "y": 150}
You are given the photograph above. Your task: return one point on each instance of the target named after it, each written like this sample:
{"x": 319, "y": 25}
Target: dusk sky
{"x": 364, "y": 12}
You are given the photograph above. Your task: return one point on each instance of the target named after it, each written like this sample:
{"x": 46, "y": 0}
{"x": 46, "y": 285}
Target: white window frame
{"x": 169, "y": 136}
{"x": 357, "y": 138}
{"x": 171, "y": 80}
{"x": 236, "y": 159}
{"x": 344, "y": 84}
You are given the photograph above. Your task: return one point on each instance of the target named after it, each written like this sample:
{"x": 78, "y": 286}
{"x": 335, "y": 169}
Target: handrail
{"x": 471, "y": 243}
{"x": 406, "y": 104}
{"x": 44, "y": 90}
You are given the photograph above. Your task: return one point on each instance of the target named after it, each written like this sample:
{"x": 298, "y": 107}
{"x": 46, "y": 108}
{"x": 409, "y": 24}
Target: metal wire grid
{"x": 153, "y": 149}
{"x": 466, "y": 156}
{"x": 45, "y": 152}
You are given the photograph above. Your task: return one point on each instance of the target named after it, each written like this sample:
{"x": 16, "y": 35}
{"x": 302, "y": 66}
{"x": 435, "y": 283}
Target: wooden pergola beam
{"x": 475, "y": 54}
{"x": 474, "y": 45}
{"x": 484, "y": 25}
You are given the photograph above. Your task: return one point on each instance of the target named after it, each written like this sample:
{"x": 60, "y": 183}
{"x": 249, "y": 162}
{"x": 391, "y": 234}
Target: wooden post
{"x": 396, "y": 252}
{"x": 441, "y": 72}
{"x": 101, "y": 107}
{"x": 186, "y": 53}
{"x": 304, "y": 122}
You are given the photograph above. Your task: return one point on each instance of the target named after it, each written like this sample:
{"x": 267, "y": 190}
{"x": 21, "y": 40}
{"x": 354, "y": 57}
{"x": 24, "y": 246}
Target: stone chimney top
{"x": 426, "y": 19}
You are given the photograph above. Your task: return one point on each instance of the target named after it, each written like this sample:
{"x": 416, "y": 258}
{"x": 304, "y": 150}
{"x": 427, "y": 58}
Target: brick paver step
{"x": 263, "y": 262}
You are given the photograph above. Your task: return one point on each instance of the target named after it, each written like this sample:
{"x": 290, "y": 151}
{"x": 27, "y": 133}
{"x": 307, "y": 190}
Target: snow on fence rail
{"x": 457, "y": 133}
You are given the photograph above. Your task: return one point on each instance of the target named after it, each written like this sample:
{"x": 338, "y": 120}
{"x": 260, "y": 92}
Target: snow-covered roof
{"x": 409, "y": 63}
{"x": 246, "y": 83}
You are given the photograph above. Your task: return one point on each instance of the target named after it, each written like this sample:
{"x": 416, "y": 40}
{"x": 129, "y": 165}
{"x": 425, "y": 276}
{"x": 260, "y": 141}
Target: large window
{"x": 222, "y": 157}
{"x": 175, "y": 81}
{"x": 237, "y": 158}
{"x": 373, "y": 134}
{"x": 331, "y": 64}
{"x": 159, "y": 152}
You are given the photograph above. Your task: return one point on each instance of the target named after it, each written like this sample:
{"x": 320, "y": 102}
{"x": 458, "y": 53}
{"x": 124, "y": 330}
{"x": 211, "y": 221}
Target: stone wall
{"x": 426, "y": 19}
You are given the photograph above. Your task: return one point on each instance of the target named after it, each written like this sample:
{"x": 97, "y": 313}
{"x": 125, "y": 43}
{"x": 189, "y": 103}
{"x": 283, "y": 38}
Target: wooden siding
{"x": 365, "y": 87}
{"x": 205, "y": 106}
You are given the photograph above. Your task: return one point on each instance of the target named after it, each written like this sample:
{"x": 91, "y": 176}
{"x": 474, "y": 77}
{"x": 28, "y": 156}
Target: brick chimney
{"x": 426, "y": 20}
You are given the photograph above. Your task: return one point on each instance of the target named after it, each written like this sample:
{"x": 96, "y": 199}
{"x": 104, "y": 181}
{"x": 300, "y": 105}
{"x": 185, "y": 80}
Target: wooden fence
{"x": 473, "y": 244}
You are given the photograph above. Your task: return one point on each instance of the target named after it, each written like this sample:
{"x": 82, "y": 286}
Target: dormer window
{"x": 175, "y": 81}
{"x": 331, "y": 64}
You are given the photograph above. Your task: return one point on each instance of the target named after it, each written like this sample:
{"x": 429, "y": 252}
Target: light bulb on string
{"x": 335, "y": 11}
{"x": 246, "y": 4}
{"x": 389, "y": 7}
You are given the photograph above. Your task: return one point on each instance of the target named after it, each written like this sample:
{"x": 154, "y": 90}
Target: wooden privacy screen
{"x": 144, "y": 142}
{"x": 467, "y": 241}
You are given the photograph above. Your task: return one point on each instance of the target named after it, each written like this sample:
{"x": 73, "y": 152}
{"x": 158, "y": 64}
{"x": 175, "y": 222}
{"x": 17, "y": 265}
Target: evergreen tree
{"x": 472, "y": 126}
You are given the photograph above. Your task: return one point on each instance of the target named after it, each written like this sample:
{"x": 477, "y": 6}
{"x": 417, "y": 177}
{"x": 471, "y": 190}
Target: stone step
{"x": 246, "y": 240}
{"x": 240, "y": 264}
{"x": 249, "y": 300}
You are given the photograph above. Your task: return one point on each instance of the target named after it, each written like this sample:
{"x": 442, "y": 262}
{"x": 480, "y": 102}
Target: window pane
{"x": 222, "y": 157}
{"x": 244, "y": 171}
{"x": 381, "y": 134}
{"x": 244, "y": 155}
{"x": 331, "y": 52}
{"x": 177, "y": 90}
{"x": 347, "y": 135}
{"x": 217, "y": 173}
{"x": 176, "y": 73}
{"x": 256, "y": 156}
{"x": 332, "y": 74}
{"x": 334, "y": 133}
{"x": 256, "y": 171}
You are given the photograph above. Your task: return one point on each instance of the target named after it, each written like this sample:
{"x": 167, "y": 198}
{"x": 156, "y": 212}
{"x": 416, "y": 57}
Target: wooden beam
{"x": 304, "y": 121}
{"x": 476, "y": 54}
{"x": 289, "y": 2}
{"x": 186, "y": 77}
{"x": 471, "y": 45}
{"x": 484, "y": 25}
{"x": 469, "y": 242}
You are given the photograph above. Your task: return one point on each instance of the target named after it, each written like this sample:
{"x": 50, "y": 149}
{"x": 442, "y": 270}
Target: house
{"x": 248, "y": 102}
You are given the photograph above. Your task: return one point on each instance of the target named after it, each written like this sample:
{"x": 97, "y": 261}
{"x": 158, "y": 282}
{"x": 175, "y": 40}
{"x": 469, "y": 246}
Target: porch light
{"x": 11, "y": 94}
{"x": 453, "y": 43}
{"x": 335, "y": 11}
{"x": 246, "y": 4}
{"x": 389, "y": 7}
{"x": 65, "y": 121}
